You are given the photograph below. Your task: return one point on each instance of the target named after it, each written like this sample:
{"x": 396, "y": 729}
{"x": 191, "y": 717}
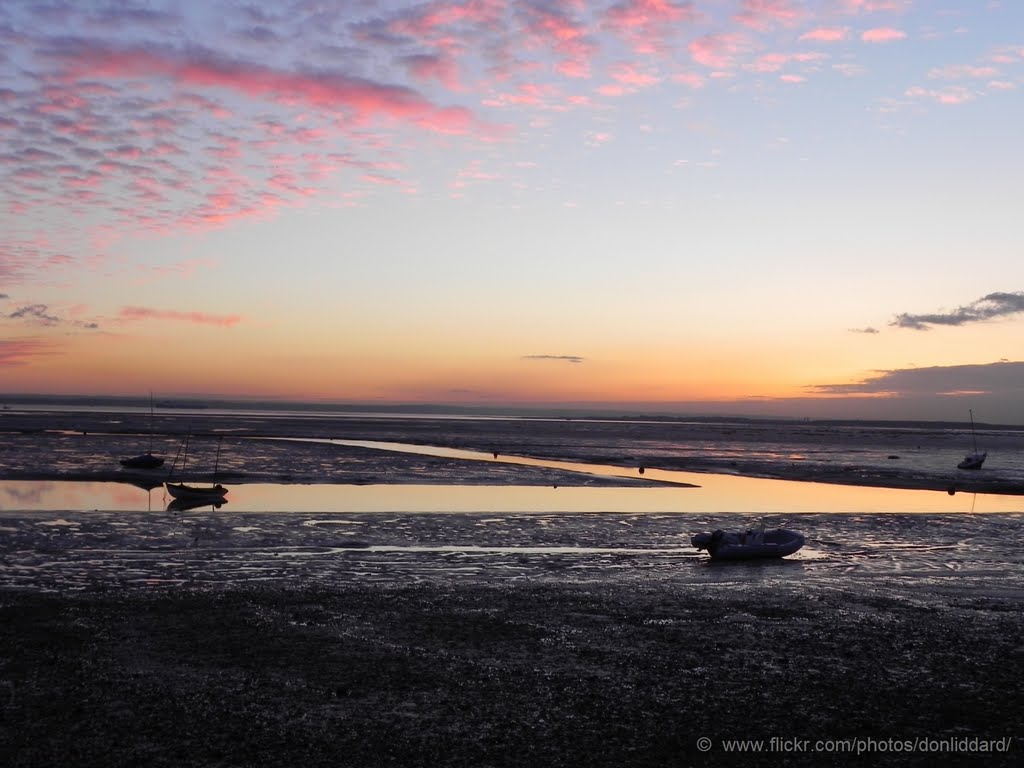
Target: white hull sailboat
{"x": 975, "y": 458}
{"x": 197, "y": 493}
{"x": 186, "y": 492}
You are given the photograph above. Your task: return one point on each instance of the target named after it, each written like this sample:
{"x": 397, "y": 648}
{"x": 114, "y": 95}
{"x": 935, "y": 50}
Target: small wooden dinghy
{"x": 750, "y": 544}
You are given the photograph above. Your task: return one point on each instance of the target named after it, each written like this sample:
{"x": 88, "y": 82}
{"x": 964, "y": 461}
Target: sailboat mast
{"x": 151, "y": 421}
{"x": 974, "y": 437}
{"x": 216, "y": 461}
{"x": 174, "y": 464}
{"x": 184, "y": 459}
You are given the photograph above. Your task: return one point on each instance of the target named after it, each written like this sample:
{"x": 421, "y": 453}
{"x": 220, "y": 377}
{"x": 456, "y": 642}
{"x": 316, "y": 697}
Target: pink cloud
{"x": 529, "y": 94}
{"x": 577, "y": 69}
{"x": 288, "y": 181}
{"x": 773, "y": 62}
{"x": 21, "y": 351}
{"x": 770, "y": 62}
{"x": 963, "y": 72}
{"x": 202, "y": 318}
{"x": 882, "y": 35}
{"x": 647, "y": 24}
{"x": 362, "y": 99}
{"x": 848, "y": 69}
{"x": 688, "y": 78}
{"x": 826, "y": 34}
{"x": 550, "y": 27}
{"x": 1007, "y": 55}
{"x": 443, "y": 69}
{"x": 628, "y": 74}
{"x": 22, "y": 259}
{"x": 204, "y": 105}
{"x": 715, "y": 51}
{"x": 634, "y": 14}
{"x": 953, "y": 95}
{"x": 424, "y": 22}
{"x": 438, "y": 30}
{"x": 148, "y": 190}
{"x": 762, "y": 15}
{"x": 224, "y": 208}
{"x": 470, "y": 173}
{"x": 376, "y": 178}
{"x": 873, "y": 6}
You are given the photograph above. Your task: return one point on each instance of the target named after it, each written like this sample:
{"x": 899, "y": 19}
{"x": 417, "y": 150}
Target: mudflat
{"x": 506, "y": 675}
{"x": 210, "y": 638}
{"x": 292, "y": 448}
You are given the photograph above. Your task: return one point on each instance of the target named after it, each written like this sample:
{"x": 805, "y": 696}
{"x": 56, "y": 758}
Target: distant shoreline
{"x": 569, "y": 412}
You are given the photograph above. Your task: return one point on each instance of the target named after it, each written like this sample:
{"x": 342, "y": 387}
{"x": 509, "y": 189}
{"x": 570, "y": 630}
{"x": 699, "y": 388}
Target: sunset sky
{"x": 801, "y": 207}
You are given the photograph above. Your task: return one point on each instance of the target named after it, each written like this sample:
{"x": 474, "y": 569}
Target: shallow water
{"x": 712, "y": 494}
{"x": 358, "y": 475}
{"x": 388, "y": 499}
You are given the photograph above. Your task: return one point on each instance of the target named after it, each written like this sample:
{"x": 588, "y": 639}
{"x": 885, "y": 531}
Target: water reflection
{"x": 715, "y": 494}
{"x": 181, "y": 505}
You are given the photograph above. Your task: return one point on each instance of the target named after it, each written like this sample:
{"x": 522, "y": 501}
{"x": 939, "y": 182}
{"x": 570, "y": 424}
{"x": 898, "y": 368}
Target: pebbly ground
{"x": 508, "y": 674}
{"x": 515, "y": 640}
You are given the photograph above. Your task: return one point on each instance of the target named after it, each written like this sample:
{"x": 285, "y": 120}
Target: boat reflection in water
{"x": 145, "y": 485}
{"x": 182, "y": 504}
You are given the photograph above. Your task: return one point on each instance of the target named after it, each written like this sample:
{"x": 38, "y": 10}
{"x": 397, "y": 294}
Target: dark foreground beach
{"x": 518, "y": 640}
{"x": 217, "y": 638}
{"x": 599, "y": 674}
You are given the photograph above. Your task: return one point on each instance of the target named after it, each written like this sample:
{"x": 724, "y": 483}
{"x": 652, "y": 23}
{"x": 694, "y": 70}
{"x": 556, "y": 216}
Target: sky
{"x": 806, "y": 208}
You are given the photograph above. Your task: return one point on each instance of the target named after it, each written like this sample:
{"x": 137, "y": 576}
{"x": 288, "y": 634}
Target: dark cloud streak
{"x": 41, "y": 314}
{"x": 988, "y": 378}
{"x": 986, "y": 308}
{"x": 35, "y": 312}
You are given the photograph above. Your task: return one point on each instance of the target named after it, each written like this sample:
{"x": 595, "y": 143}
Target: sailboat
{"x": 145, "y": 460}
{"x": 975, "y": 458}
{"x": 197, "y": 493}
